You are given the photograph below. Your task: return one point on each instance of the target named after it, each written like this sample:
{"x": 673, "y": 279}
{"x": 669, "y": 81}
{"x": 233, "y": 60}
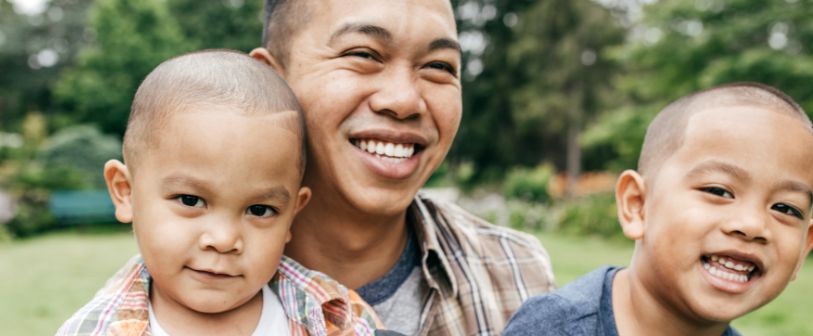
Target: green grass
{"x": 788, "y": 314}
{"x": 45, "y": 279}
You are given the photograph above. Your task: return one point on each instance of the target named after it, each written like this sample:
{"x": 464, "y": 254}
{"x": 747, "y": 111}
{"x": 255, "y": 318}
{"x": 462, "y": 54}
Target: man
{"x": 379, "y": 82}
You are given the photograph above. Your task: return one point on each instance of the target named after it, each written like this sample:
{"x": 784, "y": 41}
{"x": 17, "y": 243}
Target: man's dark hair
{"x": 282, "y": 19}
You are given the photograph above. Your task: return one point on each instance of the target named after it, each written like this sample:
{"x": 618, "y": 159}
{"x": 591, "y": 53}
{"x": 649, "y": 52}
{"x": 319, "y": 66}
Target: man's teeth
{"x": 387, "y": 148}
{"x": 728, "y": 269}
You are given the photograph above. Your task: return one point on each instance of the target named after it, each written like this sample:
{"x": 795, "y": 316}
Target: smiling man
{"x": 379, "y": 82}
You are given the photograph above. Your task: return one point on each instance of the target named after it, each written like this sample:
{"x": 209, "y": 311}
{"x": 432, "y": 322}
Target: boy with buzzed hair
{"x": 214, "y": 153}
{"x": 720, "y": 211}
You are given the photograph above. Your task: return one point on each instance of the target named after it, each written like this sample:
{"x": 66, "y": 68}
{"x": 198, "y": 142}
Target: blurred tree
{"x": 34, "y": 48}
{"x": 683, "y": 46}
{"x": 541, "y": 76}
{"x": 131, "y": 38}
{"x": 232, "y": 24}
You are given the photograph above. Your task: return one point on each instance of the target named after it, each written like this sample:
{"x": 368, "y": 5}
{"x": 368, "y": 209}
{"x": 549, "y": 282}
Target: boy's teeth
{"x": 387, "y": 149}
{"x": 729, "y": 268}
{"x": 715, "y": 271}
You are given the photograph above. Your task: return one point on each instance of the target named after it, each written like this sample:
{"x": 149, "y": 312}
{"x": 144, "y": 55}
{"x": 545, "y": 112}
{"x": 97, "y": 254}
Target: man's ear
{"x": 263, "y": 55}
{"x": 118, "y": 180}
{"x": 630, "y": 196}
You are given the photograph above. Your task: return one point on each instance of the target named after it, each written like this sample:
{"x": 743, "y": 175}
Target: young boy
{"x": 214, "y": 153}
{"x": 720, "y": 210}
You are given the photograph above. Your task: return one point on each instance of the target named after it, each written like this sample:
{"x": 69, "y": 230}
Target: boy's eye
{"x": 261, "y": 210}
{"x": 718, "y": 192}
{"x": 787, "y": 210}
{"x": 191, "y": 201}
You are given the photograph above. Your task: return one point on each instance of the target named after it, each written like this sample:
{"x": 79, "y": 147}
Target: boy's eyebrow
{"x": 798, "y": 187}
{"x": 276, "y": 193}
{"x": 179, "y": 180}
{"x": 720, "y": 166}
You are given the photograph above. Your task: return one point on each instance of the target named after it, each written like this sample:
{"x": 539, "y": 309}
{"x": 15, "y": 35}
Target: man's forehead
{"x": 391, "y": 14}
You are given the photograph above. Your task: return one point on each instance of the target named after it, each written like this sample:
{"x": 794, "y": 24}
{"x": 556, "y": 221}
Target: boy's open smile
{"x": 732, "y": 271}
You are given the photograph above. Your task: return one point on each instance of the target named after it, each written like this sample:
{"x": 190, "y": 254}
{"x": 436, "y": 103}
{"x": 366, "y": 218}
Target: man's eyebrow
{"x": 712, "y": 166}
{"x": 372, "y": 30}
{"x": 445, "y": 43}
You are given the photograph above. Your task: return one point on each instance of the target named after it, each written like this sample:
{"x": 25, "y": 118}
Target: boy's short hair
{"x": 665, "y": 133}
{"x": 221, "y": 78}
{"x": 282, "y": 19}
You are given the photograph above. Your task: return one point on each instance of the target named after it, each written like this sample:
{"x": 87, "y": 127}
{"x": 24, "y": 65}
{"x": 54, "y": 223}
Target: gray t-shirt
{"x": 583, "y": 307}
{"x": 397, "y": 297}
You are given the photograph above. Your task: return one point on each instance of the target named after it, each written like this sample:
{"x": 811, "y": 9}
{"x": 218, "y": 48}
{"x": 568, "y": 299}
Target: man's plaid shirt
{"x": 313, "y": 303}
{"x": 478, "y": 273}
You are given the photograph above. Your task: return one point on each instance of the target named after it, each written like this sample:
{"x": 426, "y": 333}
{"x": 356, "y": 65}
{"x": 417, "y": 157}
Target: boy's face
{"x": 378, "y": 81}
{"x": 212, "y": 204}
{"x": 726, "y": 219}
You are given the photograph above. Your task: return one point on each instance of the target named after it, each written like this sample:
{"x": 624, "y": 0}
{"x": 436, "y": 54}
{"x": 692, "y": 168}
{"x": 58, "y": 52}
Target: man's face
{"x": 212, "y": 205}
{"x": 379, "y": 84}
{"x": 728, "y": 217}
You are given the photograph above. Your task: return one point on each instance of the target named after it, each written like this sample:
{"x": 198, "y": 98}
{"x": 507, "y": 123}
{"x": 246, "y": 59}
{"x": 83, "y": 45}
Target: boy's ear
{"x": 302, "y": 199}
{"x": 118, "y": 180}
{"x": 263, "y": 55}
{"x": 630, "y": 196}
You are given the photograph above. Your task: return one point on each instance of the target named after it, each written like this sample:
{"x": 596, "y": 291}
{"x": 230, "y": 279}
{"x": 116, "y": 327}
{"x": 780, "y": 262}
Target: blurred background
{"x": 557, "y": 95}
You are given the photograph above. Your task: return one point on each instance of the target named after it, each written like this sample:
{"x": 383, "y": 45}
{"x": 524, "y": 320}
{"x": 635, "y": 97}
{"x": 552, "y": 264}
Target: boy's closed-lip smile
{"x": 732, "y": 271}
{"x": 210, "y": 274}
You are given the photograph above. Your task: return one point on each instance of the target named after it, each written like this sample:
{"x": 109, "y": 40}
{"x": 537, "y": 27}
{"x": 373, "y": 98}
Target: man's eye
{"x": 363, "y": 54}
{"x": 443, "y": 66}
{"x": 261, "y": 210}
{"x": 787, "y": 210}
{"x": 718, "y": 192}
{"x": 191, "y": 201}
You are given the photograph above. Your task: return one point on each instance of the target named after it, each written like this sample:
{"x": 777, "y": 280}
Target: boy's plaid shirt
{"x": 314, "y": 304}
{"x": 478, "y": 274}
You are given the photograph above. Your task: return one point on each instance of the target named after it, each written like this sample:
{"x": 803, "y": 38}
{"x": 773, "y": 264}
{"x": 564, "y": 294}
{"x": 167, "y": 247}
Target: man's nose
{"x": 398, "y": 95}
{"x": 222, "y": 235}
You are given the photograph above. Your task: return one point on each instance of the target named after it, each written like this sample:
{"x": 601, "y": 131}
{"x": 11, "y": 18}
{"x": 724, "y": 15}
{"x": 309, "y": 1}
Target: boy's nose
{"x": 749, "y": 225}
{"x": 222, "y": 237}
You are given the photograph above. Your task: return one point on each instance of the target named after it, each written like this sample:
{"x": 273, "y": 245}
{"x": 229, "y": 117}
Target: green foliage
{"x": 82, "y": 149}
{"x": 689, "y": 45}
{"x": 238, "y": 25}
{"x": 529, "y": 184}
{"x": 544, "y": 69}
{"x": 590, "y": 215}
{"x": 613, "y": 142}
{"x": 70, "y": 159}
{"x": 132, "y": 37}
{"x": 33, "y": 51}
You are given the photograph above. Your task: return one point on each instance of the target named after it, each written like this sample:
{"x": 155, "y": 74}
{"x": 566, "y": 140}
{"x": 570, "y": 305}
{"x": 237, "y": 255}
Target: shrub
{"x": 71, "y": 159}
{"x": 590, "y": 215}
{"x": 529, "y": 185}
